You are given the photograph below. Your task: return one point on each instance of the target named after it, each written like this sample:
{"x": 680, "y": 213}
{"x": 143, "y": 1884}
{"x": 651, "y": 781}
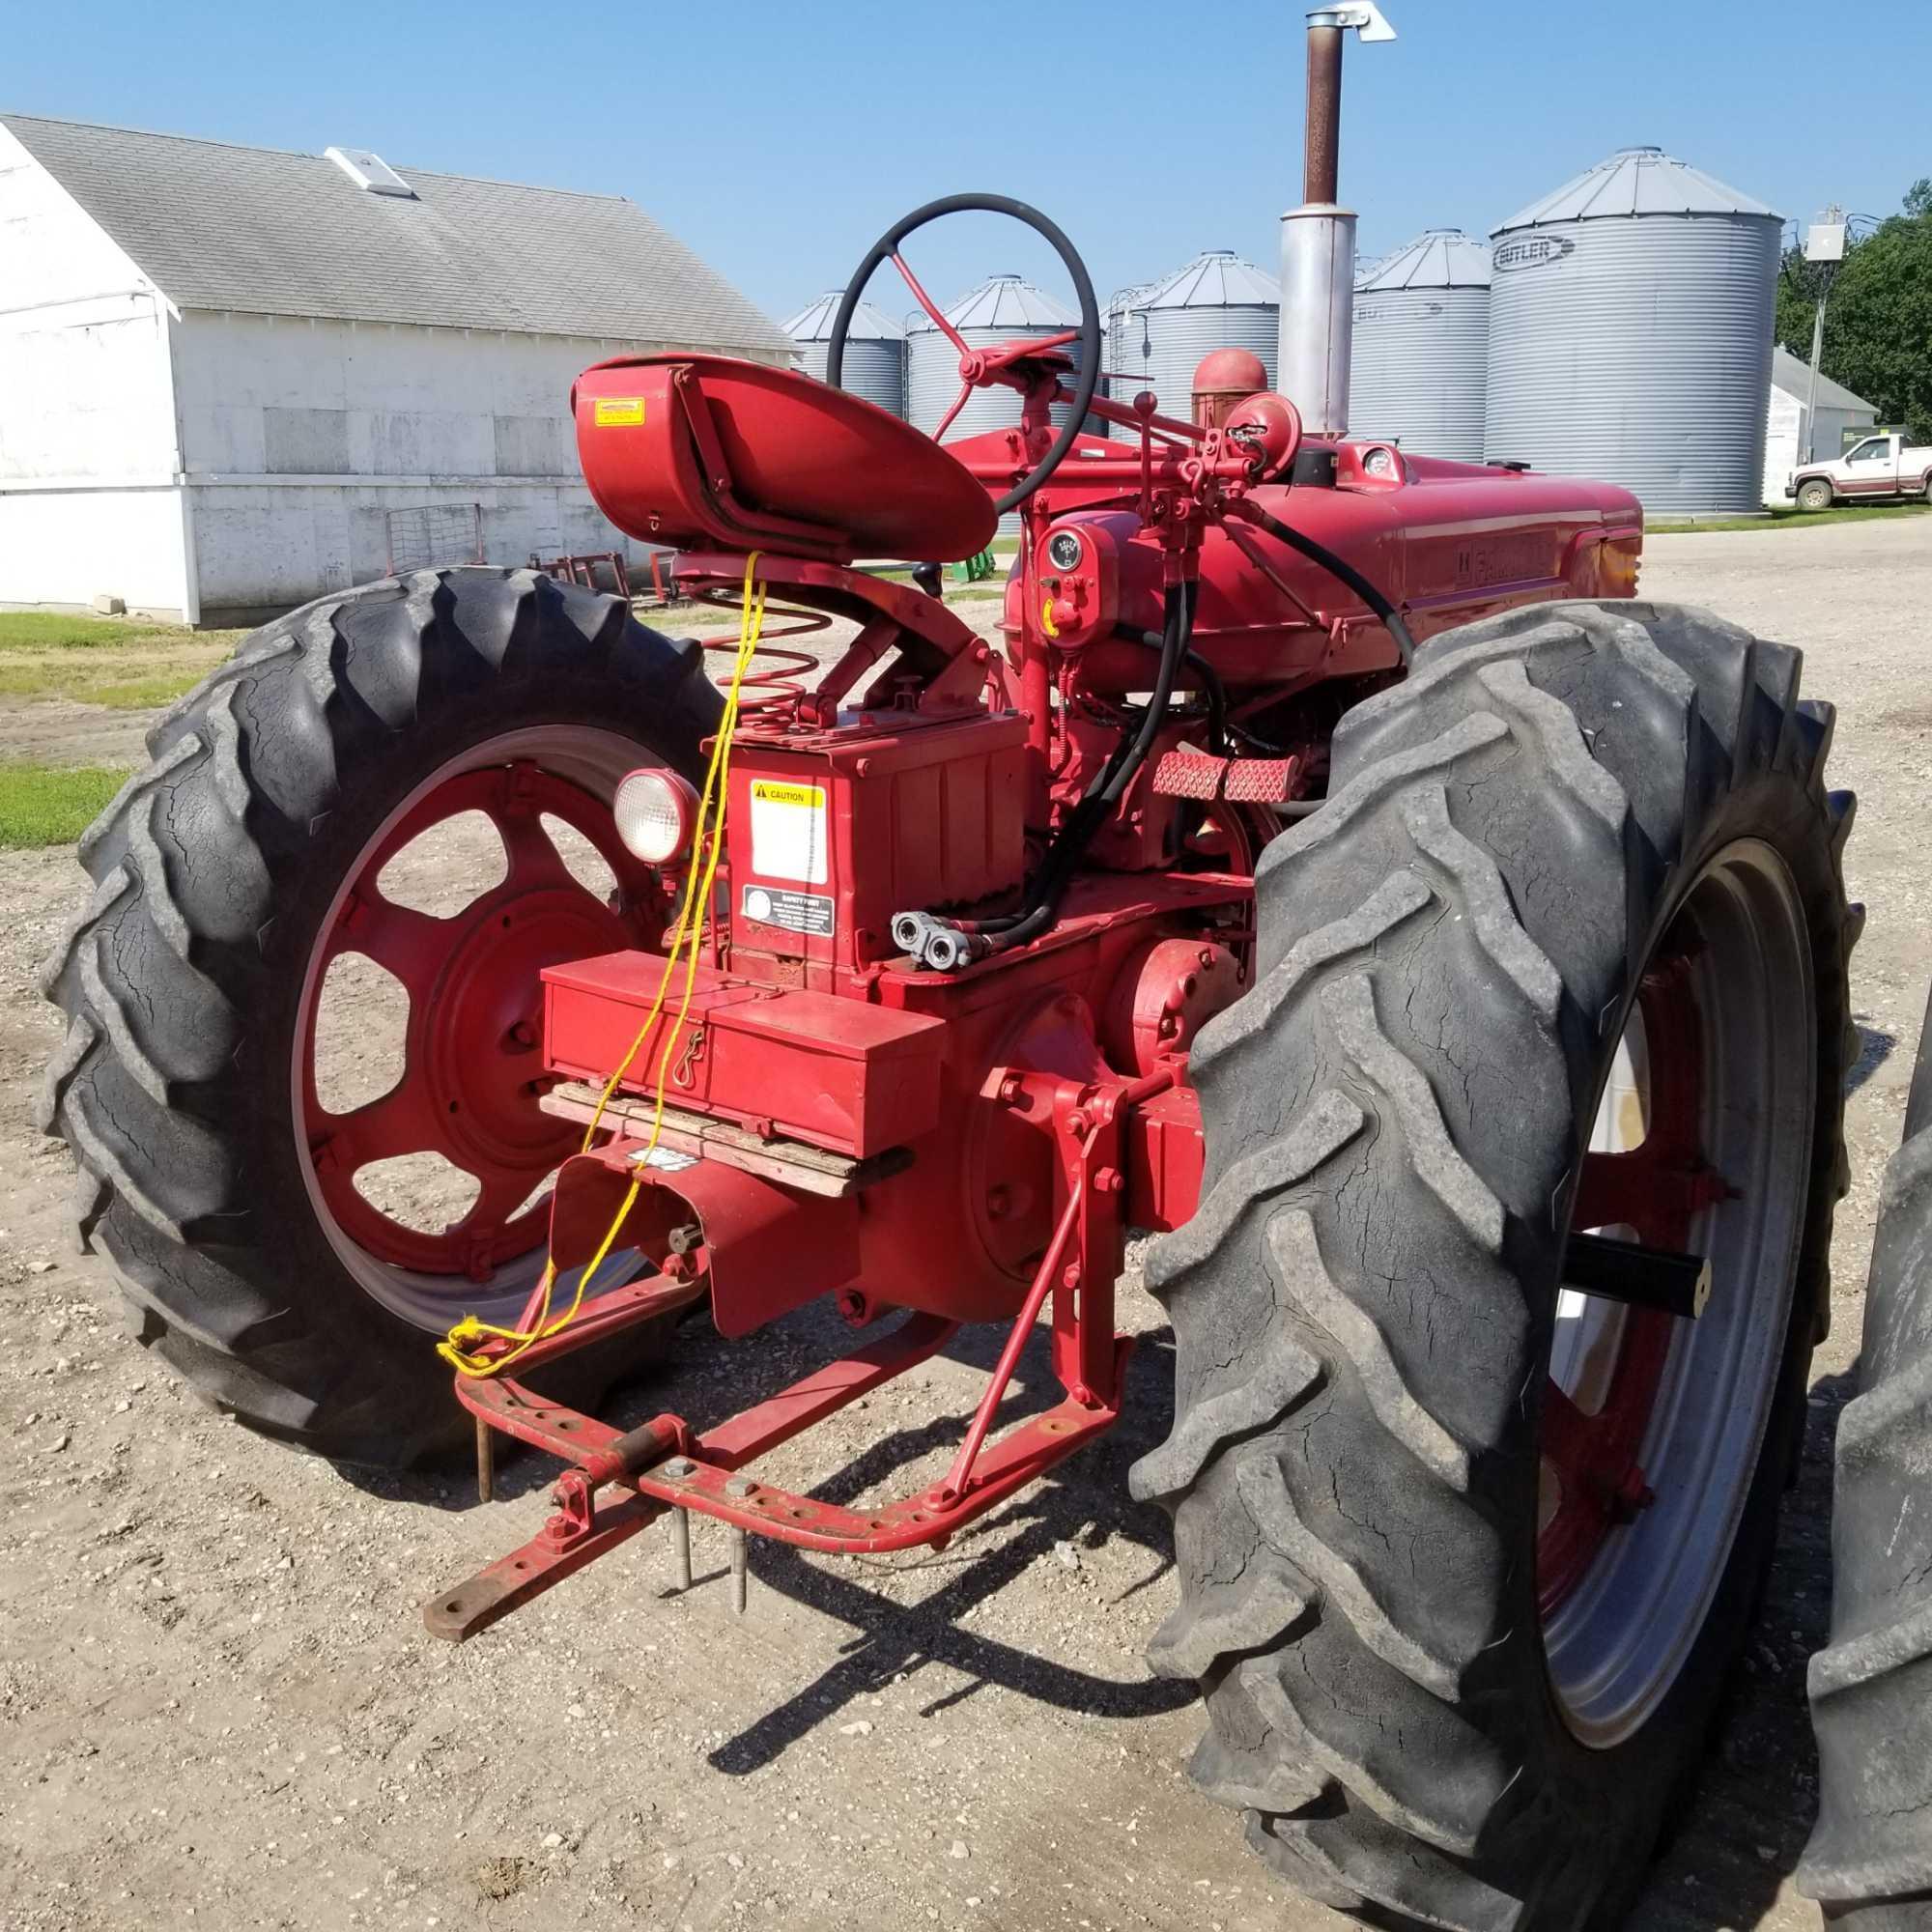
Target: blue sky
{"x": 780, "y": 139}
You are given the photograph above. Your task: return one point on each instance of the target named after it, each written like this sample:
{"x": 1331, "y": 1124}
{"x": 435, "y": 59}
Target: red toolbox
{"x": 838, "y": 1072}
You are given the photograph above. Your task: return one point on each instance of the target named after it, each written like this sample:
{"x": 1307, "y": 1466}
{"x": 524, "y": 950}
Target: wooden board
{"x": 810, "y": 1170}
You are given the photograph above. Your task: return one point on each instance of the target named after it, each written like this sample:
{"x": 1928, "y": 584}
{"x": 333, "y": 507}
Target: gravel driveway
{"x": 218, "y": 1704}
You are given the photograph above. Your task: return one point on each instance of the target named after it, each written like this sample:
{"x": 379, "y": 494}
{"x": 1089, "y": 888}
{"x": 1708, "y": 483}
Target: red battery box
{"x": 830, "y": 833}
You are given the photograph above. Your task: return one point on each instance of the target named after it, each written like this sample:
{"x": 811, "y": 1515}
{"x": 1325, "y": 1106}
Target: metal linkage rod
{"x": 1642, "y": 1277}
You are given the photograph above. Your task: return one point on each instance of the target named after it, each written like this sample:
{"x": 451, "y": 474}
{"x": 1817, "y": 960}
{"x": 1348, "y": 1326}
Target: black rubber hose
{"x": 1177, "y": 630}
{"x": 1073, "y": 836}
{"x": 1341, "y": 569}
{"x": 1097, "y": 783}
{"x": 1013, "y": 929}
{"x": 1211, "y": 687}
{"x": 1078, "y": 832}
{"x": 1000, "y": 922}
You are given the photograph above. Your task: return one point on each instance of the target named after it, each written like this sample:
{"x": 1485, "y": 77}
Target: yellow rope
{"x": 458, "y": 1347}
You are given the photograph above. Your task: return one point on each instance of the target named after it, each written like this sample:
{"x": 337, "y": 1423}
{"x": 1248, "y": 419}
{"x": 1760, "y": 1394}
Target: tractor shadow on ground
{"x": 1744, "y": 1829}
{"x": 1083, "y": 1506}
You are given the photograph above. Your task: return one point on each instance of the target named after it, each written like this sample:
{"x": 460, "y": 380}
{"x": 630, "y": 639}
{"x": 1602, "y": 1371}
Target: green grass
{"x": 144, "y": 693}
{"x": 124, "y": 664}
{"x": 50, "y": 804}
{"x": 1793, "y": 519}
{"x": 62, "y": 631}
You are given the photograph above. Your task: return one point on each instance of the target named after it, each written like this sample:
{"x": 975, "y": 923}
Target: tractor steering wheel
{"x": 979, "y": 368}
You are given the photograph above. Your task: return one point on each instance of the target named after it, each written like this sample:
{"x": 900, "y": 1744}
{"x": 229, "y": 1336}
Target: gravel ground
{"x": 218, "y": 1703}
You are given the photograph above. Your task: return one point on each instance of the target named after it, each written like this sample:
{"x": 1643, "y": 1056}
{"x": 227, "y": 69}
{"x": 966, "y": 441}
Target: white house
{"x": 1785, "y": 441}
{"x": 233, "y": 379}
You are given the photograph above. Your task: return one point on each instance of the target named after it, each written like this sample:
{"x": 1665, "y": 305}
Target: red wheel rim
{"x": 1645, "y": 1493}
{"x": 1591, "y": 1458}
{"x": 471, "y": 1080}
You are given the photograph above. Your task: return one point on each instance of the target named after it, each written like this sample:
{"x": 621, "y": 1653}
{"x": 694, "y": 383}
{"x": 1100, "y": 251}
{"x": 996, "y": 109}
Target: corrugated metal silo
{"x": 1422, "y": 340}
{"x": 1125, "y": 328}
{"x": 1216, "y": 301}
{"x": 1003, "y": 308}
{"x": 875, "y": 350}
{"x": 1631, "y": 334}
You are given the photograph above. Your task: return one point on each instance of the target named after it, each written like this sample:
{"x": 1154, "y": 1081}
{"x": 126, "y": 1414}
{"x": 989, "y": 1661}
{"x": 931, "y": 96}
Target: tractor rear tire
{"x": 1559, "y": 810}
{"x": 1869, "y": 1862}
{"x": 190, "y": 979}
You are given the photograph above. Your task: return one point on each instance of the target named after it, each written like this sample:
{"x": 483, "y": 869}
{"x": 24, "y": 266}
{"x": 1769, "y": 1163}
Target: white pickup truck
{"x": 1880, "y": 466}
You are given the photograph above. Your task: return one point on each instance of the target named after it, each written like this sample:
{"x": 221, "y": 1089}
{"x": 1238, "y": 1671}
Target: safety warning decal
{"x": 789, "y": 829}
{"x": 618, "y": 412}
{"x": 791, "y": 912}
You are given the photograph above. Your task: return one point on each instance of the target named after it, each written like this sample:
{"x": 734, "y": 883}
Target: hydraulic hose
{"x": 1339, "y": 568}
{"x": 945, "y": 945}
{"x": 1000, "y": 922}
{"x": 1078, "y": 832}
{"x": 1211, "y": 687}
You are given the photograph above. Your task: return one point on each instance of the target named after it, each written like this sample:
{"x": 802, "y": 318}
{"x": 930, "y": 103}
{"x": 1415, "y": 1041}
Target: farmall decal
{"x": 1507, "y": 559}
{"x": 1529, "y": 251}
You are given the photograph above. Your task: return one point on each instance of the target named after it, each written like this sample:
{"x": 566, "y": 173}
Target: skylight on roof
{"x": 370, "y": 171}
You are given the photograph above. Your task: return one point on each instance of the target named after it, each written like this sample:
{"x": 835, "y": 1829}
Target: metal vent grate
{"x": 428, "y": 535}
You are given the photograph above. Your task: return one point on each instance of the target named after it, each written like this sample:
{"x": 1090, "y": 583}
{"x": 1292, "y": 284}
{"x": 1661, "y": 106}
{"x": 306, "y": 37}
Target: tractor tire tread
{"x": 157, "y": 973}
{"x": 1349, "y": 1302}
{"x": 1869, "y": 1861}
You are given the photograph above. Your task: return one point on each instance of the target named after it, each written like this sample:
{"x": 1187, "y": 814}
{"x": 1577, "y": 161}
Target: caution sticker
{"x": 788, "y": 832}
{"x": 791, "y": 912}
{"x": 618, "y": 412}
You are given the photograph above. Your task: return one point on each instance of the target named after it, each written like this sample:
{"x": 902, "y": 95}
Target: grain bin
{"x": 1005, "y": 308}
{"x": 875, "y": 350}
{"x": 1629, "y": 334}
{"x": 1422, "y": 341}
{"x": 1216, "y": 301}
{"x": 1125, "y": 325}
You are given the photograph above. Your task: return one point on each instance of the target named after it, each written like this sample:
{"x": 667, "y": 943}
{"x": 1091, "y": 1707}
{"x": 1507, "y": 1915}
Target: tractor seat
{"x": 712, "y": 452}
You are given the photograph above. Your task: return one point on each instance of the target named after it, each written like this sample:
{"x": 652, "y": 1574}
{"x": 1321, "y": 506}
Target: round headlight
{"x": 1062, "y": 551}
{"x": 656, "y": 813}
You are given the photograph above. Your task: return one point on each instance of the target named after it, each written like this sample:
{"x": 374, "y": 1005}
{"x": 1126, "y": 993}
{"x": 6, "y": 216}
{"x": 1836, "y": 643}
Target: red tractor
{"x": 1335, "y": 872}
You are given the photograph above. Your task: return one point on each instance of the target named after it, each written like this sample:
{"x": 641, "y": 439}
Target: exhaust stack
{"x": 1317, "y": 239}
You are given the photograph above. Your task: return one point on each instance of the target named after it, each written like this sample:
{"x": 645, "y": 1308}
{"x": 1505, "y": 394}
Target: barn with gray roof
{"x": 234, "y": 379}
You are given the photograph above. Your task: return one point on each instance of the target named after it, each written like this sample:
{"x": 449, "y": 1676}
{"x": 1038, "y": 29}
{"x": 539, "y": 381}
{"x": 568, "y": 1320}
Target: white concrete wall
{"x": 219, "y": 467}
{"x": 300, "y": 435}
{"x": 88, "y": 498}
{"x": 1784, "y": 444}
{"x": 61, "y": 549}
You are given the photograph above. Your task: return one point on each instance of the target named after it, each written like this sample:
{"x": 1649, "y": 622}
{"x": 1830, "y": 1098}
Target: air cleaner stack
{"x": 1317, "y": 239}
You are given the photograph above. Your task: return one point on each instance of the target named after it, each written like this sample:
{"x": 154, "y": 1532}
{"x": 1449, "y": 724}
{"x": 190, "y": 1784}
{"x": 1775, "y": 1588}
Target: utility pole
{"x": 1824, "y": 244}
